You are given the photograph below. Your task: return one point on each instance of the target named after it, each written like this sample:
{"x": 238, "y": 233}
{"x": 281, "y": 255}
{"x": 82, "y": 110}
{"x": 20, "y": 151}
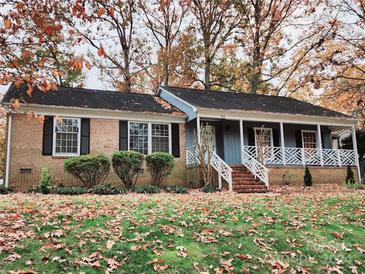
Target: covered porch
{"x": 285, "y": 143}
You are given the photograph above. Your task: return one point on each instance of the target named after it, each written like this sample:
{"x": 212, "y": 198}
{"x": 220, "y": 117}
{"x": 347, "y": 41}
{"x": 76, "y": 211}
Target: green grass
{"x": 183, "y": 233}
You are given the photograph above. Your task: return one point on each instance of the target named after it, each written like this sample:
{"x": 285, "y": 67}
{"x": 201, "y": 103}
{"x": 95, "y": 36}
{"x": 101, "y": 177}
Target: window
{"x": 66, "y": 140}
{"x": 309, "y": 138}
{"x": 148, "y": 137}
{"x": 138, "y": 137}
{"x": 160, "y": 138}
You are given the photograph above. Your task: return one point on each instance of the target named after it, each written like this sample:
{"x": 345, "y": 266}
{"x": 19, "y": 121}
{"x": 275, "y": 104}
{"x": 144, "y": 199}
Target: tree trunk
{"x": 207, "y": 67}
{"x": 256, "y": 70}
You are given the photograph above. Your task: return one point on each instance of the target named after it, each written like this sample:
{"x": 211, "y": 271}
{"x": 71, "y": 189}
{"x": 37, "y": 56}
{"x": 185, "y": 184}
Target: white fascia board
{"x": 181, "y": 100}
{"x": 100, "y": 113}
{"x": 276, "y": 117}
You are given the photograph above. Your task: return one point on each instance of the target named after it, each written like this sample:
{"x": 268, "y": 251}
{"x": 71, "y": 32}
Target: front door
{"x": 264, "y": 144}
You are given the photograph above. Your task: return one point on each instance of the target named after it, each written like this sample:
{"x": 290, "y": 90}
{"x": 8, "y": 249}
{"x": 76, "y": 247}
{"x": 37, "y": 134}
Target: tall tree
{"x": 33, "y": 45}
{"x": 276, "y": 36}
{"x": 164, "y": 19}
{"x": 110, "y": 27}
{"x": 215, "y": 22}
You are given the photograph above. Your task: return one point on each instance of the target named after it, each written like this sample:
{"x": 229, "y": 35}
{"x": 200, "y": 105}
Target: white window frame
{"x": 271, "y": 135}
{"x": 58, "y": 154}
{"x": 149, "y": 132}
{"x": 309, "y": 131}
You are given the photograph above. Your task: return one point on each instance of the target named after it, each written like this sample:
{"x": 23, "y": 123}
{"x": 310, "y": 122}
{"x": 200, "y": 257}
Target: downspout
{"x": 8, "y": 141}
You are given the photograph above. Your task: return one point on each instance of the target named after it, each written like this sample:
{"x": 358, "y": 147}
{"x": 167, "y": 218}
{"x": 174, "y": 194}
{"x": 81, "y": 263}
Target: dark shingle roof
{"x": 250, "y": 102}
{"x": 90, "y": 98}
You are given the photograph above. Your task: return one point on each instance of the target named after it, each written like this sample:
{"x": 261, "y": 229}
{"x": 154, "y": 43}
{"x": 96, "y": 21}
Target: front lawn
{"x": 193, "y": 233}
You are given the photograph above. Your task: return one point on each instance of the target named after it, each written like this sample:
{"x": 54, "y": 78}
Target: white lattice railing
{"x": 223, "y": 169}
{"x": 256, "y": 168}
{"x": 301, "y": 156}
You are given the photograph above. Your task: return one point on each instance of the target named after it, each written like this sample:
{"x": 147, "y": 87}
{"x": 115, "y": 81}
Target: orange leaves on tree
{"x": 7, "y": 23}
{"x": 111, "y": 12}
{"x": 101, "y": 12}
{"x": 101, "y": 52}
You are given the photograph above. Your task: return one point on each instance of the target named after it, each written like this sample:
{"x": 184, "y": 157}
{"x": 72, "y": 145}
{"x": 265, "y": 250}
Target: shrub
{"x": 354, "y": 185}
{"x": 159, "y": 165}
{"x": 307, "y": 177}
{"x": 89, "y": 169}
{"x": 126, "y": 165}
{"x": 350, "y": 179}
{"x": 177, "y": 189}
{"x": 44, "y": 185}
{"x": 70, "y": 190}
{"x": 148, "y": 189}
{"x": 4, "y": 190}
{"x": 209, "y": 189}
{"x": 107, "y": 189}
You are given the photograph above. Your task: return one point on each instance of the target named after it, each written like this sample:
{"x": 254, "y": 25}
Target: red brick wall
{"x": 26, "y": 152}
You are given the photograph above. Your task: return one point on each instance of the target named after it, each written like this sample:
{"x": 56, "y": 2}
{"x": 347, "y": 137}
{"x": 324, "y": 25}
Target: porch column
{"x": 354, "y": 144}
{"x": 320, "y": 143}
{"x": 241, "y": 139}
{"x": 198, "y": 128}
{"x": 282, "y": 142}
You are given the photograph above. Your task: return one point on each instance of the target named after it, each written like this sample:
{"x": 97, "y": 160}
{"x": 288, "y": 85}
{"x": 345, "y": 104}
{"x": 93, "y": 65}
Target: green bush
{"x": 4, "y": 190}
{"x": 159, "y": 165}
{"x": 350, "y": 179}
{"x": 307, "y": 177}
{"x": 107, "y": 189}
{"x": 210, "y": 189}
{"x": 354, "y": 185}
{"x": 177, "y": 189}
{"x": 89, "y": 169}
{"x": 70, "y": 190}
{"x": 44, "y": 185}
{"x": 148, "y": 189}
{"x": 126, "y": 165}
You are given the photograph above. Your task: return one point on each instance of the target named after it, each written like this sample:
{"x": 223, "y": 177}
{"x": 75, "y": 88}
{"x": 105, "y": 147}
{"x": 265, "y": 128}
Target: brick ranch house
{"x": 293, "y": 134}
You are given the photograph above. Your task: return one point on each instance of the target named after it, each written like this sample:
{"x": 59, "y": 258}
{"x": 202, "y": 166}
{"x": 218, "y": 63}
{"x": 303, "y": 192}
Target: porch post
{"x": 320, "y": 143}
{"x": 241, "y": 138}
{"x": 282, "y": 142}
{"x": 354, "y": 144}
{"x": 198, "y": 128}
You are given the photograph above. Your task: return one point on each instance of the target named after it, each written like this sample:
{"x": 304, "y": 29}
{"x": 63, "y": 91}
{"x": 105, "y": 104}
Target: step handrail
{"x": 257, "y": 169}
{"x": 223, "y": 169}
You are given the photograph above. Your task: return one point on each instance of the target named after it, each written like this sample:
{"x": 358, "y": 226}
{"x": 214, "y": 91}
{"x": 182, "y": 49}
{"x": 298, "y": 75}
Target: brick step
{"x": 250, "y": 180}
{"x": 252, "y": 191}
{"x": 243, "y": 176}
{"x": 249, "y": 186}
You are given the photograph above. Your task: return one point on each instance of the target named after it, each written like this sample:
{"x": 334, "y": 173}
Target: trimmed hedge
{"x": 177, "y": 189}
{"x": 126, "y": 165}
{"x": 107, "y": 189}
{"x": 89, "y": 169}
{"x": 307, "y": 177}
{"x": 148, "y": 189}
{"x": 159, "y": 165}
{"x": 70, "y": 190}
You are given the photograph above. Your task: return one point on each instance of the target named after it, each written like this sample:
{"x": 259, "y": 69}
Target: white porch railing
{"x": 301, "y": 156}
{"x": 223, "y": 169}
{"x": 256, "y": 168}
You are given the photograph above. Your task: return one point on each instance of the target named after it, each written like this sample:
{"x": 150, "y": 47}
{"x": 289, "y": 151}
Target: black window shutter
{"x": 85, "y": 136}
{"x": 276, "y": 137}
{"x": 175, "y": 140}
{"x": 298, "y": 138}
{"x": 123, "y": 135}
{"x": 251, "y": 136}
{"x": 47, "y": 135}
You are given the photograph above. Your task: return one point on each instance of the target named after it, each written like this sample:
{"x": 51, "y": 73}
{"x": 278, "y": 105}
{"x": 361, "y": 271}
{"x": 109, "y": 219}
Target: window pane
{"x": 309, "y": 139}
{"x": 160, "y": 138}
{"x": 138, "y": 137}
{"x": 67, "y": 136}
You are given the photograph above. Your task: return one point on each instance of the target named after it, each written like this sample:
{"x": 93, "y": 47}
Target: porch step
{"x": 245, "y": 182}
